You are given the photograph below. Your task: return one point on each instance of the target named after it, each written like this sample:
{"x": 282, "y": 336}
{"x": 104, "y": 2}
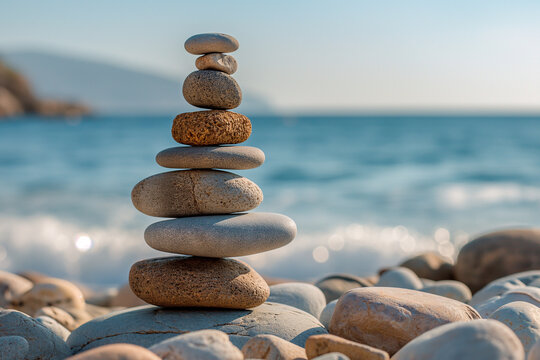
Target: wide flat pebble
{"x": 472, "y": 340}
{"x": 222, "y": 235}
{"x": 303, "y": 296}
{"x": 388, "y": 318}
{"x": 498, "y": 254}
{"x": 430, "y": 265}
{"x": 13, "y": 348}
{"x": 195, "y": 192}
{"x": 524, "y": 320}
{"x": 211, "y": 157}
{"x": 335, "y": 285}
{"x": 272, "y": 347}
{"x": 212, "y": 127}
{"x": 211, "y": 89}
{"x": 149, "y": 325}
{"x": 201, "y": 345}
{"x": 217, "y": 61}
{"x": 43, "y": 343}
{"x": 116, "y": 352}
{"x": 211, "y": 43}
{"x": 317, "y": 345}
{"x": 181, "y": 281}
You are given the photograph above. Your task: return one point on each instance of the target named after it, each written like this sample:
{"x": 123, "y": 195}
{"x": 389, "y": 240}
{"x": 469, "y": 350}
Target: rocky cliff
{"x": 17, "y": 98}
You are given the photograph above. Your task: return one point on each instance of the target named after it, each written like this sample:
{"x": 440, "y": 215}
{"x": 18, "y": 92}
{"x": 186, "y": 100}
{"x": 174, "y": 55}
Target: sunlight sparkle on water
{"x": 321, "y": 254}
{"x": 83, "y": 243}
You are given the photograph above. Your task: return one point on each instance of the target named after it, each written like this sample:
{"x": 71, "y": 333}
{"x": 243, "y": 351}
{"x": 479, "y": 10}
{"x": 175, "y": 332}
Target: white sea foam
{"x": 460, "y": 196}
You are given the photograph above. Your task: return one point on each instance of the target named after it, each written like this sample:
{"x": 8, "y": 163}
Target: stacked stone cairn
{"x": 208, "y": 206}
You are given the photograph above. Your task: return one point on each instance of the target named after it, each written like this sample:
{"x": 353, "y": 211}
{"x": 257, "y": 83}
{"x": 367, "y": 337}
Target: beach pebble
{"x": 211, "y": 157}
{"x": 13, "y": 348}
{"x": 51, "y": 292}
{"x": 335, "y": 285}
{"x": 117, "y": 352}
{"x": 12, "y": 286}
{"x": 211, "y": 89}
{"x": 211, "y": 43}
{"x": 430, "y": 265}
{"x": 451, "y": 289}
{"x": 500, "y": 286}
{"x": 332, "y": 356}
{"x": 317, "y": 345}
{"x": 195, "y": 192}
{"x": 472, "y": 340}
{"x": 180, "y": 281}
{"x": 327, "y": 312}
{"x": 498, "y": 254}
{"x": 217, "y": 61}
{"x": 524, "y": 320}
{"x": 43, "y": 343}
{"x": 272, "y": 347}
{"x": 202, "y": 344}
{"x": 388, "y": 318}
{"x": 222, "y": 235}
{"x": 527, "y": 294}
{"x": 59, "y": 315}
{"x": 534, "y": 352}
{"x": 303, "y": 296}
{"x": 400, "y": 277}
{"x": 54, "y": 326}
{"x": 149, "y": 325}
{"x": 212, "y": 127}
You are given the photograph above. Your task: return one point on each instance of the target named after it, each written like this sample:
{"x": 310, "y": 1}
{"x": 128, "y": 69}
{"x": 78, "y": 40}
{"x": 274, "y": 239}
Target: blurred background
{"x": 389, "y": 127}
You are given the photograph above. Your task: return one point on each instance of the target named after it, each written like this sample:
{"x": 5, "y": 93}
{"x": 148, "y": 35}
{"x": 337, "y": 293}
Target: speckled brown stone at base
{"x": 212, "y": 89}
{"x": 214, "y": 127}
{"x": 195, "y": 192}
{"x": 217, "y": 61}
{"x": 188, "y": 281}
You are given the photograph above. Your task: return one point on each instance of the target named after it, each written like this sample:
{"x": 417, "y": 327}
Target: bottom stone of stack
{"x": 190, "y": 281}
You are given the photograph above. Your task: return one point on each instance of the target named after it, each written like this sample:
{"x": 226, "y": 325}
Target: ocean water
{"x": 365, "y": 192}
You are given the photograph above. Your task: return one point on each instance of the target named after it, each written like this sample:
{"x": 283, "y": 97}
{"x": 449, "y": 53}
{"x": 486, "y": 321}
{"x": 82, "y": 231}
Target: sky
{"x": 313, "y": 56}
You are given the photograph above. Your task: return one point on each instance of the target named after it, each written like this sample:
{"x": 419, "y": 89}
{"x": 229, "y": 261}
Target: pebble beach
{"x": 197, "y": 300}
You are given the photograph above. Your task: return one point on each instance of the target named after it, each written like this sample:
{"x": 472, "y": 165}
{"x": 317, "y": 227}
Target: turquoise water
{"x": 364, "y": 191}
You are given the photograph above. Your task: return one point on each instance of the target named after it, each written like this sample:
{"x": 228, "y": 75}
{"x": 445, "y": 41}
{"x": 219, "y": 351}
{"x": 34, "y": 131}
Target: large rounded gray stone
{"x": 211, "y": 43}
{"x": 211, "y": 157}
{"x": 472, "y": 340}
{"x": 302, "y": 296}
{"x": 149, "y": 325}
{"x": 221, "y": 235}
{"x": 43, "y": 343}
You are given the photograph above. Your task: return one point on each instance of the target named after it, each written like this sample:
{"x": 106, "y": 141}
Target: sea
{"x": 366, "y": 192}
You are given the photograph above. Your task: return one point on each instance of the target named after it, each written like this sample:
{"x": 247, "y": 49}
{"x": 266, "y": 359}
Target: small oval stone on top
{"x": 211, "y": 43}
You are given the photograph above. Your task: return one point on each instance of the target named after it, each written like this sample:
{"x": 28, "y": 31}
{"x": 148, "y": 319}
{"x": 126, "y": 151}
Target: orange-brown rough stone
{"x": 116, "y": 352}
{"x": 212, "y": 127}
{"x": 388, "y": 318}
{"x": 317, "y": 345}
{"x": 181, "y": 281}
{"x": 195, "y": 192}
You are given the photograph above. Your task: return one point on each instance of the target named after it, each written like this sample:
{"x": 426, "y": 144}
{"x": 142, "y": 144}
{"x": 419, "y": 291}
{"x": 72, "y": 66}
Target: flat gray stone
{"x": 210, "y": 89}
{"x": 211, "y": 43}
{"x": 13, "y": 348}
{"x": 43, "y": 343}
{"x": 303, "y": 296}
{"x": 217, "y": 61}
{"x": 472, "y": 340}
{"x": 524, "y": 320}
{"x": 221, "y": 235}
{"x": 149, "y": 325}
{"x": 211, "y": 157}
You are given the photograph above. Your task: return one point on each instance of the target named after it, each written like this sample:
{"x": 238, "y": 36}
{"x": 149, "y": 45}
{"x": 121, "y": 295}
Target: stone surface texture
{"x": 195, "y": 192}
{"x": 213, "y": 127}
{"x": 217, "y": 61}
{"x": 388, "y": 318}
{"x": 211, "y": 89}
{"x": 271, "y": 347}
{"x": 185, "y": 281}
{"x": 211, "y": 43}
{"x": 202, "y": 344}
{"x": 222, "y": 235}
{"x": 13, "y": 348}
{"x": 149, "y": 325}
{"x": 317, "y": 345}
{"x": 54, "y": 326}
{"x": 302, "y": 296}
{"x": 211, "y": 157}
{"x": 116, "y": 352}
{"x": 498, "y": 254}
{"x": 472, "y": 340}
